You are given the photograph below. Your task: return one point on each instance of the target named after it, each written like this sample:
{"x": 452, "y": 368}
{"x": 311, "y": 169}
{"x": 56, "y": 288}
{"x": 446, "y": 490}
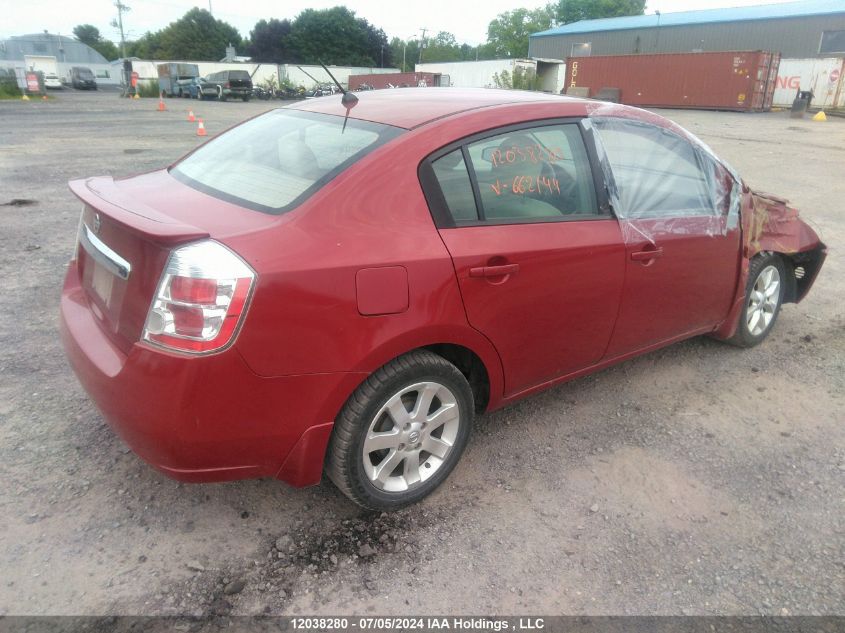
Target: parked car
{"x": 194, "y": 88}
{"x": 182, "y": 87}
{"x": 52, "y": 82}
{"x": 307, "y": 291}
{"x": 228, "y": 83}
{"x": 82, "y": 78}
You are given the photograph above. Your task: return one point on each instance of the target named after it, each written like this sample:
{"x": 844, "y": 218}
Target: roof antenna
{"x": 348, "y": 100}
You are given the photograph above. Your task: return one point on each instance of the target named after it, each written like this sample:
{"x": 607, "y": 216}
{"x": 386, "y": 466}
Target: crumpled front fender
{"x": 770, "y": 224}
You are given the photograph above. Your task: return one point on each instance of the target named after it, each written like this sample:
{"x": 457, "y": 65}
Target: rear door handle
{"x": 494, "y": 271}
{"x": 642, "y": 256}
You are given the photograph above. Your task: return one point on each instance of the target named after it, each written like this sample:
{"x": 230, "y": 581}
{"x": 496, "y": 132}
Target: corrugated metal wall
{"x": 793, "y": 37}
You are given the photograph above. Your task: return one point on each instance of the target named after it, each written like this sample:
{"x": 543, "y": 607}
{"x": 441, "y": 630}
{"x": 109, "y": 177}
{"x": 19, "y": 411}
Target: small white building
{"x": 66, "y": 51}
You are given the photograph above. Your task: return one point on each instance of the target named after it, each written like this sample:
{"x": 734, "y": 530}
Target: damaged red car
{"x": 340, "y": 285}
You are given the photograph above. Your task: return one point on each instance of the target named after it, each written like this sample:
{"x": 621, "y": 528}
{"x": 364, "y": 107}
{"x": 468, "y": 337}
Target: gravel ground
{"x": 700, "y": 479}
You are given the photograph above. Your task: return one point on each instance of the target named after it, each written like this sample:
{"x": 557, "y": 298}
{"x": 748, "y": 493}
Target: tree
{"x": 90, "y": 35}
{"x": 567, "y": 11}
{"x": 508, "y": 33}
{"x": 442, "y": 47}
{"x": 269, "y": 41}
{"x": 336, "y": 36}
{"x": 148, "y": 46}
{"x": 409, "y": 50}
{"x": 197, "y": 35}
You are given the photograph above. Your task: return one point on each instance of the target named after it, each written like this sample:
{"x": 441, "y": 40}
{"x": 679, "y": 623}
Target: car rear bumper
{"x": 205, "y": 418}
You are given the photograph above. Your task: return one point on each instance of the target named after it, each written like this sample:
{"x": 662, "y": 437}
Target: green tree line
{"x": 338, "y": 36}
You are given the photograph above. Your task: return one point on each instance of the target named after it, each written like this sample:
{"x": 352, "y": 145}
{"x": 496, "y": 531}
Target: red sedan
{"x": 341, "y": 285}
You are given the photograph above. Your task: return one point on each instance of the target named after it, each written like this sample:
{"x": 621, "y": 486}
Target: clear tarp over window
{"x": 662, "y": 174}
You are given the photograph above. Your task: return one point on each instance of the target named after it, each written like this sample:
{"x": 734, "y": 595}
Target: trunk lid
{"x": 126, "y": 233}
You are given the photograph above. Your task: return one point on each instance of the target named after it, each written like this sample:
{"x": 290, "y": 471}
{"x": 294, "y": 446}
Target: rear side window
{"x": 276, "y": 161}
{"x": 656, "y": 172}
{"x": 453, "y": 178}
{"x": 530, "y": 174}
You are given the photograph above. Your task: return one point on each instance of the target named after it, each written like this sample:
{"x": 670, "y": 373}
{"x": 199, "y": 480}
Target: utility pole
{"x": 422, "y": 43}
{"x": 209, "y": 8}
{"x": 121, "y": 9}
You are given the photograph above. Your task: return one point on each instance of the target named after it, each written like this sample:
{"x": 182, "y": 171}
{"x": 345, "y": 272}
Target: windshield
{"x": 276, "y": 161}
{"x": 86, "y": 74}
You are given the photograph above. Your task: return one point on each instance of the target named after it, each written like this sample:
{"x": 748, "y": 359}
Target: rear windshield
{"x": 277, "y": 160}
{"x": 239, "y": 75}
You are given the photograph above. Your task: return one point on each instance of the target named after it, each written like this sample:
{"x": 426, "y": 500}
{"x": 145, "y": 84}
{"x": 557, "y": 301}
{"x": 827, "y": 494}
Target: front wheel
{"x": 402, "y": 432}
{"x": 763, "y": 299}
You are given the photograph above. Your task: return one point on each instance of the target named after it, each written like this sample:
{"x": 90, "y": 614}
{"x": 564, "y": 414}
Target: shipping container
{"x": 824, "y": 77}
{"x": 733, "y": 80}
{"x": 397, "y": 80}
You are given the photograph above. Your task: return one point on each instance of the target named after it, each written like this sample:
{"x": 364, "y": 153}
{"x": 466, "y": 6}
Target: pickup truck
{"x": 226, "y": 84}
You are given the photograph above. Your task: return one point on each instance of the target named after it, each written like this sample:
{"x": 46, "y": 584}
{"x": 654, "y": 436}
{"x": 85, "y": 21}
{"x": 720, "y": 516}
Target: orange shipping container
{"x": 733, "y": 80}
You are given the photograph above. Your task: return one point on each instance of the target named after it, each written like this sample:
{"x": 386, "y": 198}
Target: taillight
{"x": 201, "y": 299}
{"x": 227, "y": 85}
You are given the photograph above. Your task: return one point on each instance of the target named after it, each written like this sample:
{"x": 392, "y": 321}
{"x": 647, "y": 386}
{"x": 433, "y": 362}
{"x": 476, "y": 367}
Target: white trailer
{"x": 480, "y": 74}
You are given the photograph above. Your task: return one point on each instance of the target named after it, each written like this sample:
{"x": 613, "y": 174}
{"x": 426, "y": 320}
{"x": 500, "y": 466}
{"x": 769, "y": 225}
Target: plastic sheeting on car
{"x": 662, "y": 179}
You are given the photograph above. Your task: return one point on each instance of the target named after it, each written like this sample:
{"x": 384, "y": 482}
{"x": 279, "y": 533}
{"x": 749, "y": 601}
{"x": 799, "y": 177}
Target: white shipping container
{"x": 480, "y": 74}
{"x": 823, "y": 76}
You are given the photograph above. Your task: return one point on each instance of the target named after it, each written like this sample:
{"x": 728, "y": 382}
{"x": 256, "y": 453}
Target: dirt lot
{"x": 700, "y": 479}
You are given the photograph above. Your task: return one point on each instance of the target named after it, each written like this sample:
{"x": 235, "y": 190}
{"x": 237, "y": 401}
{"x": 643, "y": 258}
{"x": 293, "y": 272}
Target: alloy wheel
{"x": 763, "y": 301}
{"x": 411, "y": 436}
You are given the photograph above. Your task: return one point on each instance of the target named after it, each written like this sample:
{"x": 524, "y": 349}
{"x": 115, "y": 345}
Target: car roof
{"x": 412, "y": 107}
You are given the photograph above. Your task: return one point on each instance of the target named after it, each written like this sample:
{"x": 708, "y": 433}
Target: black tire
{"x": 345, "y": 457}
{"x": 744, "y": 337}
{"x": 246, "y": 99}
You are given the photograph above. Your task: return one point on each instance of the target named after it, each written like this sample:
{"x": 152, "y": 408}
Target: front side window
{"x": 276, "y": 161}
{"x": 656, "y": 172}
{"x": 530, "y": 174}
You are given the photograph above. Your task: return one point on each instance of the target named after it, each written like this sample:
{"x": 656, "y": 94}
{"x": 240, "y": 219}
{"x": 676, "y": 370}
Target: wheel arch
{"x": 467, "y": 349}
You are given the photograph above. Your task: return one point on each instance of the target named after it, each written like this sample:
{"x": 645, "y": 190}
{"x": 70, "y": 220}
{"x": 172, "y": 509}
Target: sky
{"x": 467, "y": 20}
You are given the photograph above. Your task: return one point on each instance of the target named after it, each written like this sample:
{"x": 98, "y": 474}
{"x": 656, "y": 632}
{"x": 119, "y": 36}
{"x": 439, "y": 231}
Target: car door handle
{"x": 494, "y": 271}
{"x": 642, "y": 256}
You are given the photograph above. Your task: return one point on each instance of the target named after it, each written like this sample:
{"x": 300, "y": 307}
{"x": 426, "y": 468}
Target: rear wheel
{"x": 763, "y": 299}
{"x": 402, "y": 432}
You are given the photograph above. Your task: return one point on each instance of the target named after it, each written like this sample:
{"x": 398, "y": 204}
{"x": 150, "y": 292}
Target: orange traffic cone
{"x": 201, "y": 129}
{"x": 161, "y": 107}
{"x": 191, "y": 116}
